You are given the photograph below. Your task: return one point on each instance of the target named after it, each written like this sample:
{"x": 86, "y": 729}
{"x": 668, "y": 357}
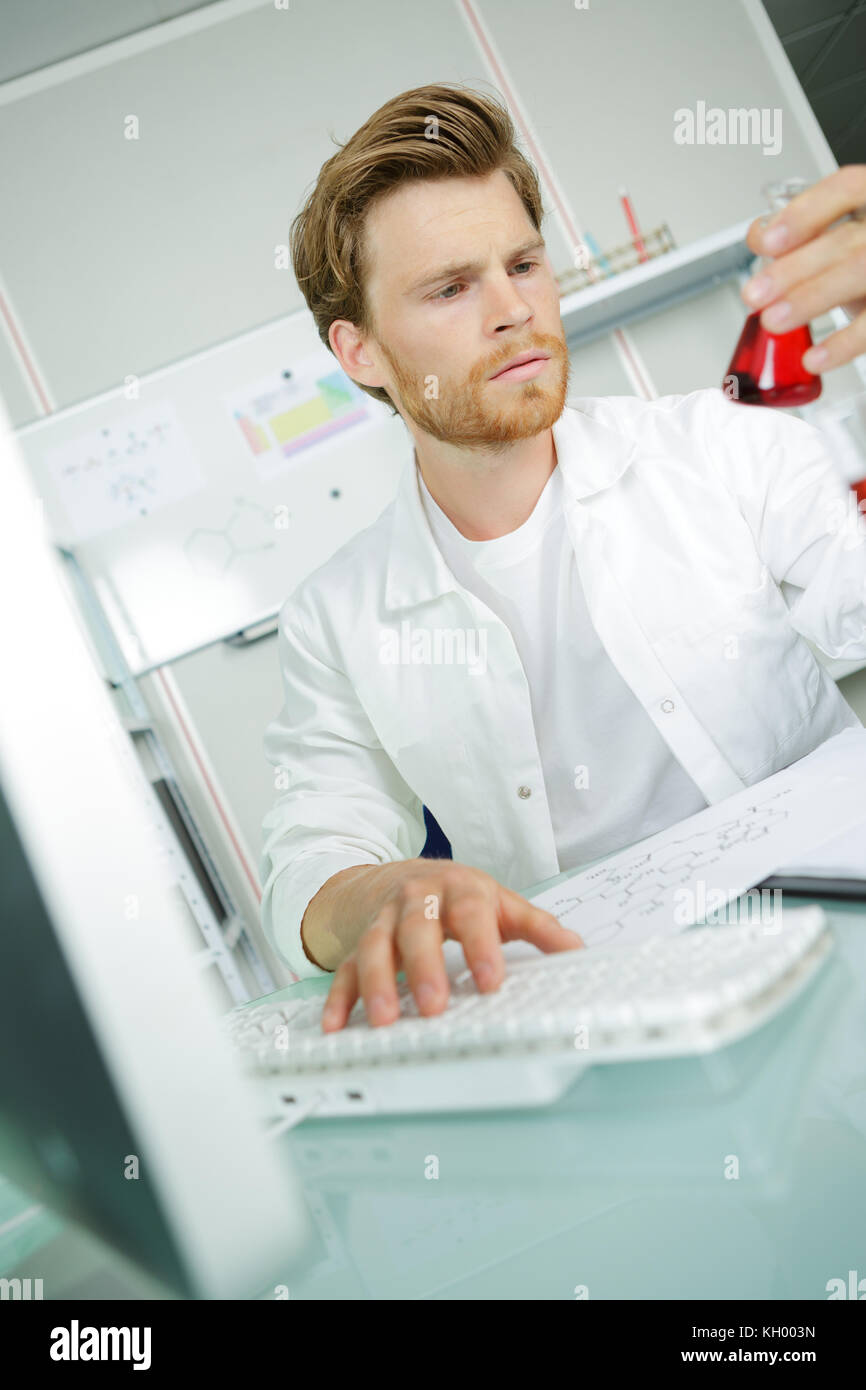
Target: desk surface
{"x": 737, "y": 1175}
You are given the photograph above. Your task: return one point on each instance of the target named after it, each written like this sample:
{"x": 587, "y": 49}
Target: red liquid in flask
{"x": 768, "y": 367}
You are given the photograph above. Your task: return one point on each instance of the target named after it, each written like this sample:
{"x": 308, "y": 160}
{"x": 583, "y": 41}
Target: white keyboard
{"x": 667, "y": 996}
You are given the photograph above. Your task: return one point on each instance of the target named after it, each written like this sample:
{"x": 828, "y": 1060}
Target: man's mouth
{"x": 526, "y": 364}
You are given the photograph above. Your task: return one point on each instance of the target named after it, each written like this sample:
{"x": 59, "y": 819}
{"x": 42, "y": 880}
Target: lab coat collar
{"x": 590, "y": 455}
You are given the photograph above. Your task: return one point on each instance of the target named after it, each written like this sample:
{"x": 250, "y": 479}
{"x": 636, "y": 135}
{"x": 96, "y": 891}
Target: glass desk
{"x": 737, "y": 1175}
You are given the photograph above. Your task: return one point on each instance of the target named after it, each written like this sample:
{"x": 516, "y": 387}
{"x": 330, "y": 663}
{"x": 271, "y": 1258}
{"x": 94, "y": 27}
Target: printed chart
{"x": 284, "y": 415}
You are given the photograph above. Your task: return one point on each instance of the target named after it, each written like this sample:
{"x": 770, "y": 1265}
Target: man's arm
{"x": 341, "y": 802}
{"x": 803, "y": 515}
{"x": 345, "y": 801}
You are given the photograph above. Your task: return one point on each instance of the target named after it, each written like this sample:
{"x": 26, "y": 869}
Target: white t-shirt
{"x": 610, "y": 777}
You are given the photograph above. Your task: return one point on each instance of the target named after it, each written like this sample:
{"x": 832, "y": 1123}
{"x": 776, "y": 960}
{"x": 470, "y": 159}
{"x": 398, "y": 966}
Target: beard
{"x": 481, "y": 414}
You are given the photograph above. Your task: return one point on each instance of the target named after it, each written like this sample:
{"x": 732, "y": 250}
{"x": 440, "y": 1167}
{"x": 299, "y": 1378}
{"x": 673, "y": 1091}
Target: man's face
{"x": 440, "y": 335}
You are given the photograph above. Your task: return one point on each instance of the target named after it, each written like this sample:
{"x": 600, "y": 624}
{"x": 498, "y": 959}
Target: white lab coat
{"x": 708, "y": 535}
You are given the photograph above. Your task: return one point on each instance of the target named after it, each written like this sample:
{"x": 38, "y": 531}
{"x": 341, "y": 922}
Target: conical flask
{"x": 767, "y": 368}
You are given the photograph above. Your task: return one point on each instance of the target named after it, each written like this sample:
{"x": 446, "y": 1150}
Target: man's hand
{"x": 407, "y": 921}
{"x": 819, "y": 266}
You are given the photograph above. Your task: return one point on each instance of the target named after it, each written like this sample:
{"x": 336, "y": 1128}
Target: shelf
{"x": 656, "y": 285}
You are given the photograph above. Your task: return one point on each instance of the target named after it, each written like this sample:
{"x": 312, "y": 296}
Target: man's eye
{"x": 443, "y": 294}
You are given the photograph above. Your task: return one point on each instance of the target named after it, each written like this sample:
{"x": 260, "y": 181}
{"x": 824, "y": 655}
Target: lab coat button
{"x": 668, "y": 705}
{"x": 524, "y": 792}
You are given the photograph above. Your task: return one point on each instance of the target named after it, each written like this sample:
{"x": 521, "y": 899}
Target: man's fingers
{"x": 377, "y": 966}
{"x": 812, "y": 299}
{"x": 828, "y": 271}
{"x": 812, "y": 211}
{"x": 419, "y": 942}
{"x": 820, "y": 274}
{"x": 472, "y": 919}
{"x": 341, "y": 996}
{"x": 472, "y": 910}
{"x": 838, "y": 348}
{"x": 520, "y": 919}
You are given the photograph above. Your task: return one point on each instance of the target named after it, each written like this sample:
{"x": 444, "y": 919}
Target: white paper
{"x": 843, "y": 856}
{"x": 720, "y": 853}
{"x": 125, "y": 471}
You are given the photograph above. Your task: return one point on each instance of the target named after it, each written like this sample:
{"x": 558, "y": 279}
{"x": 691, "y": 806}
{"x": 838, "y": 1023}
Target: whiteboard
{"x": 197, "y": 497}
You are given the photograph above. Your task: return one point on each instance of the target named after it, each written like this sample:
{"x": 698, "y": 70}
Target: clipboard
{"x": 814, "y": 886}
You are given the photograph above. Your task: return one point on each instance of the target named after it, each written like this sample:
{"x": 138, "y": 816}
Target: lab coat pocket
{"x": 415, "y": 710}
{"x": 748, "y": 677}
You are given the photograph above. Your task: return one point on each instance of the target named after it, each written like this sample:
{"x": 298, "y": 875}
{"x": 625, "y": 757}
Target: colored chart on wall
{"x": 287, "y": 414}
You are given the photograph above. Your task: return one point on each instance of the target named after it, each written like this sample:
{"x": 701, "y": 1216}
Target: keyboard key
{"x": 620, "y": 1000}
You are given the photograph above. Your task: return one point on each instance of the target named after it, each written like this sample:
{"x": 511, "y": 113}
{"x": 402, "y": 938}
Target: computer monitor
{"x": 121, "y": 1103}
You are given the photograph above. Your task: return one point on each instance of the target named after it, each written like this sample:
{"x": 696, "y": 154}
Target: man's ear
{"x": 349, "y": 348}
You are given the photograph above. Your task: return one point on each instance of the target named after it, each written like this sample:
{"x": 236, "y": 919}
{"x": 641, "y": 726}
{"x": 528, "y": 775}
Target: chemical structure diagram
{"x": 134, "y": 490}
{"x": 249, "y": 530}
{"x": 634, "y": 887}
{"x": 124, "y": 471}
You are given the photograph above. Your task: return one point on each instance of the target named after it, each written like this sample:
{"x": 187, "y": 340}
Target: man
{"x": 574, "y": 625}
